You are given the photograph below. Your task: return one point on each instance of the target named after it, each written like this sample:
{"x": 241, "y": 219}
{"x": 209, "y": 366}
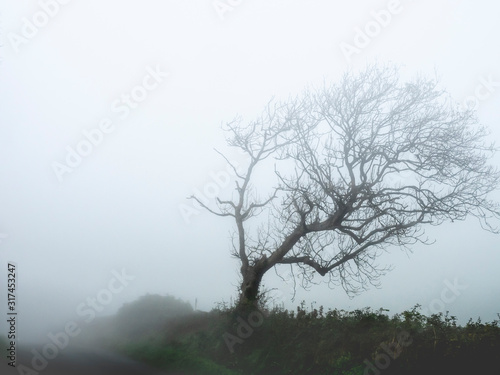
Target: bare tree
{"x": 360, "y": 166}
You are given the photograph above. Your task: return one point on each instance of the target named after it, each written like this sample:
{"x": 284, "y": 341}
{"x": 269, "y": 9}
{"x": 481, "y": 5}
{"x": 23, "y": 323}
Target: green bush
{"x": 149, "y": 314}
{"x": 318, "y": 342}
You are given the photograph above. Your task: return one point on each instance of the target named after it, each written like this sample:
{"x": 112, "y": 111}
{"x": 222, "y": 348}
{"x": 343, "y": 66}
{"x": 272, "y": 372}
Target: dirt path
{"x": 80, "y": 361}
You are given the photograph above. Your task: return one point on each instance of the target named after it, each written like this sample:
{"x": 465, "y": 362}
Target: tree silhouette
{"x": 359, "y": 166}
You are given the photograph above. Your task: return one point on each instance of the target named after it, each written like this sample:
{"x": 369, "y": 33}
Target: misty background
{"x": 123, "y": 206}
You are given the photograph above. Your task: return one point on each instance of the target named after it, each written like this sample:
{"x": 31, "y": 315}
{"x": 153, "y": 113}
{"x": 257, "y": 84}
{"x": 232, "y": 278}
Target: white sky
{"x": 119, "y": 208}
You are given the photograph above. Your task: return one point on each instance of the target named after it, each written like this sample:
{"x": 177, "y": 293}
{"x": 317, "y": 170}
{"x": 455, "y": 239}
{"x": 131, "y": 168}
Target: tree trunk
{"x": 249, "y": 290}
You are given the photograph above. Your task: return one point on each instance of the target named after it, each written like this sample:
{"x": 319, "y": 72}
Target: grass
{"x": 175, "y": 358}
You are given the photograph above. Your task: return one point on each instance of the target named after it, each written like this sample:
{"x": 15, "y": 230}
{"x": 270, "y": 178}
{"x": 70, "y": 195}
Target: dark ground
{"x": 79, "y": 361}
